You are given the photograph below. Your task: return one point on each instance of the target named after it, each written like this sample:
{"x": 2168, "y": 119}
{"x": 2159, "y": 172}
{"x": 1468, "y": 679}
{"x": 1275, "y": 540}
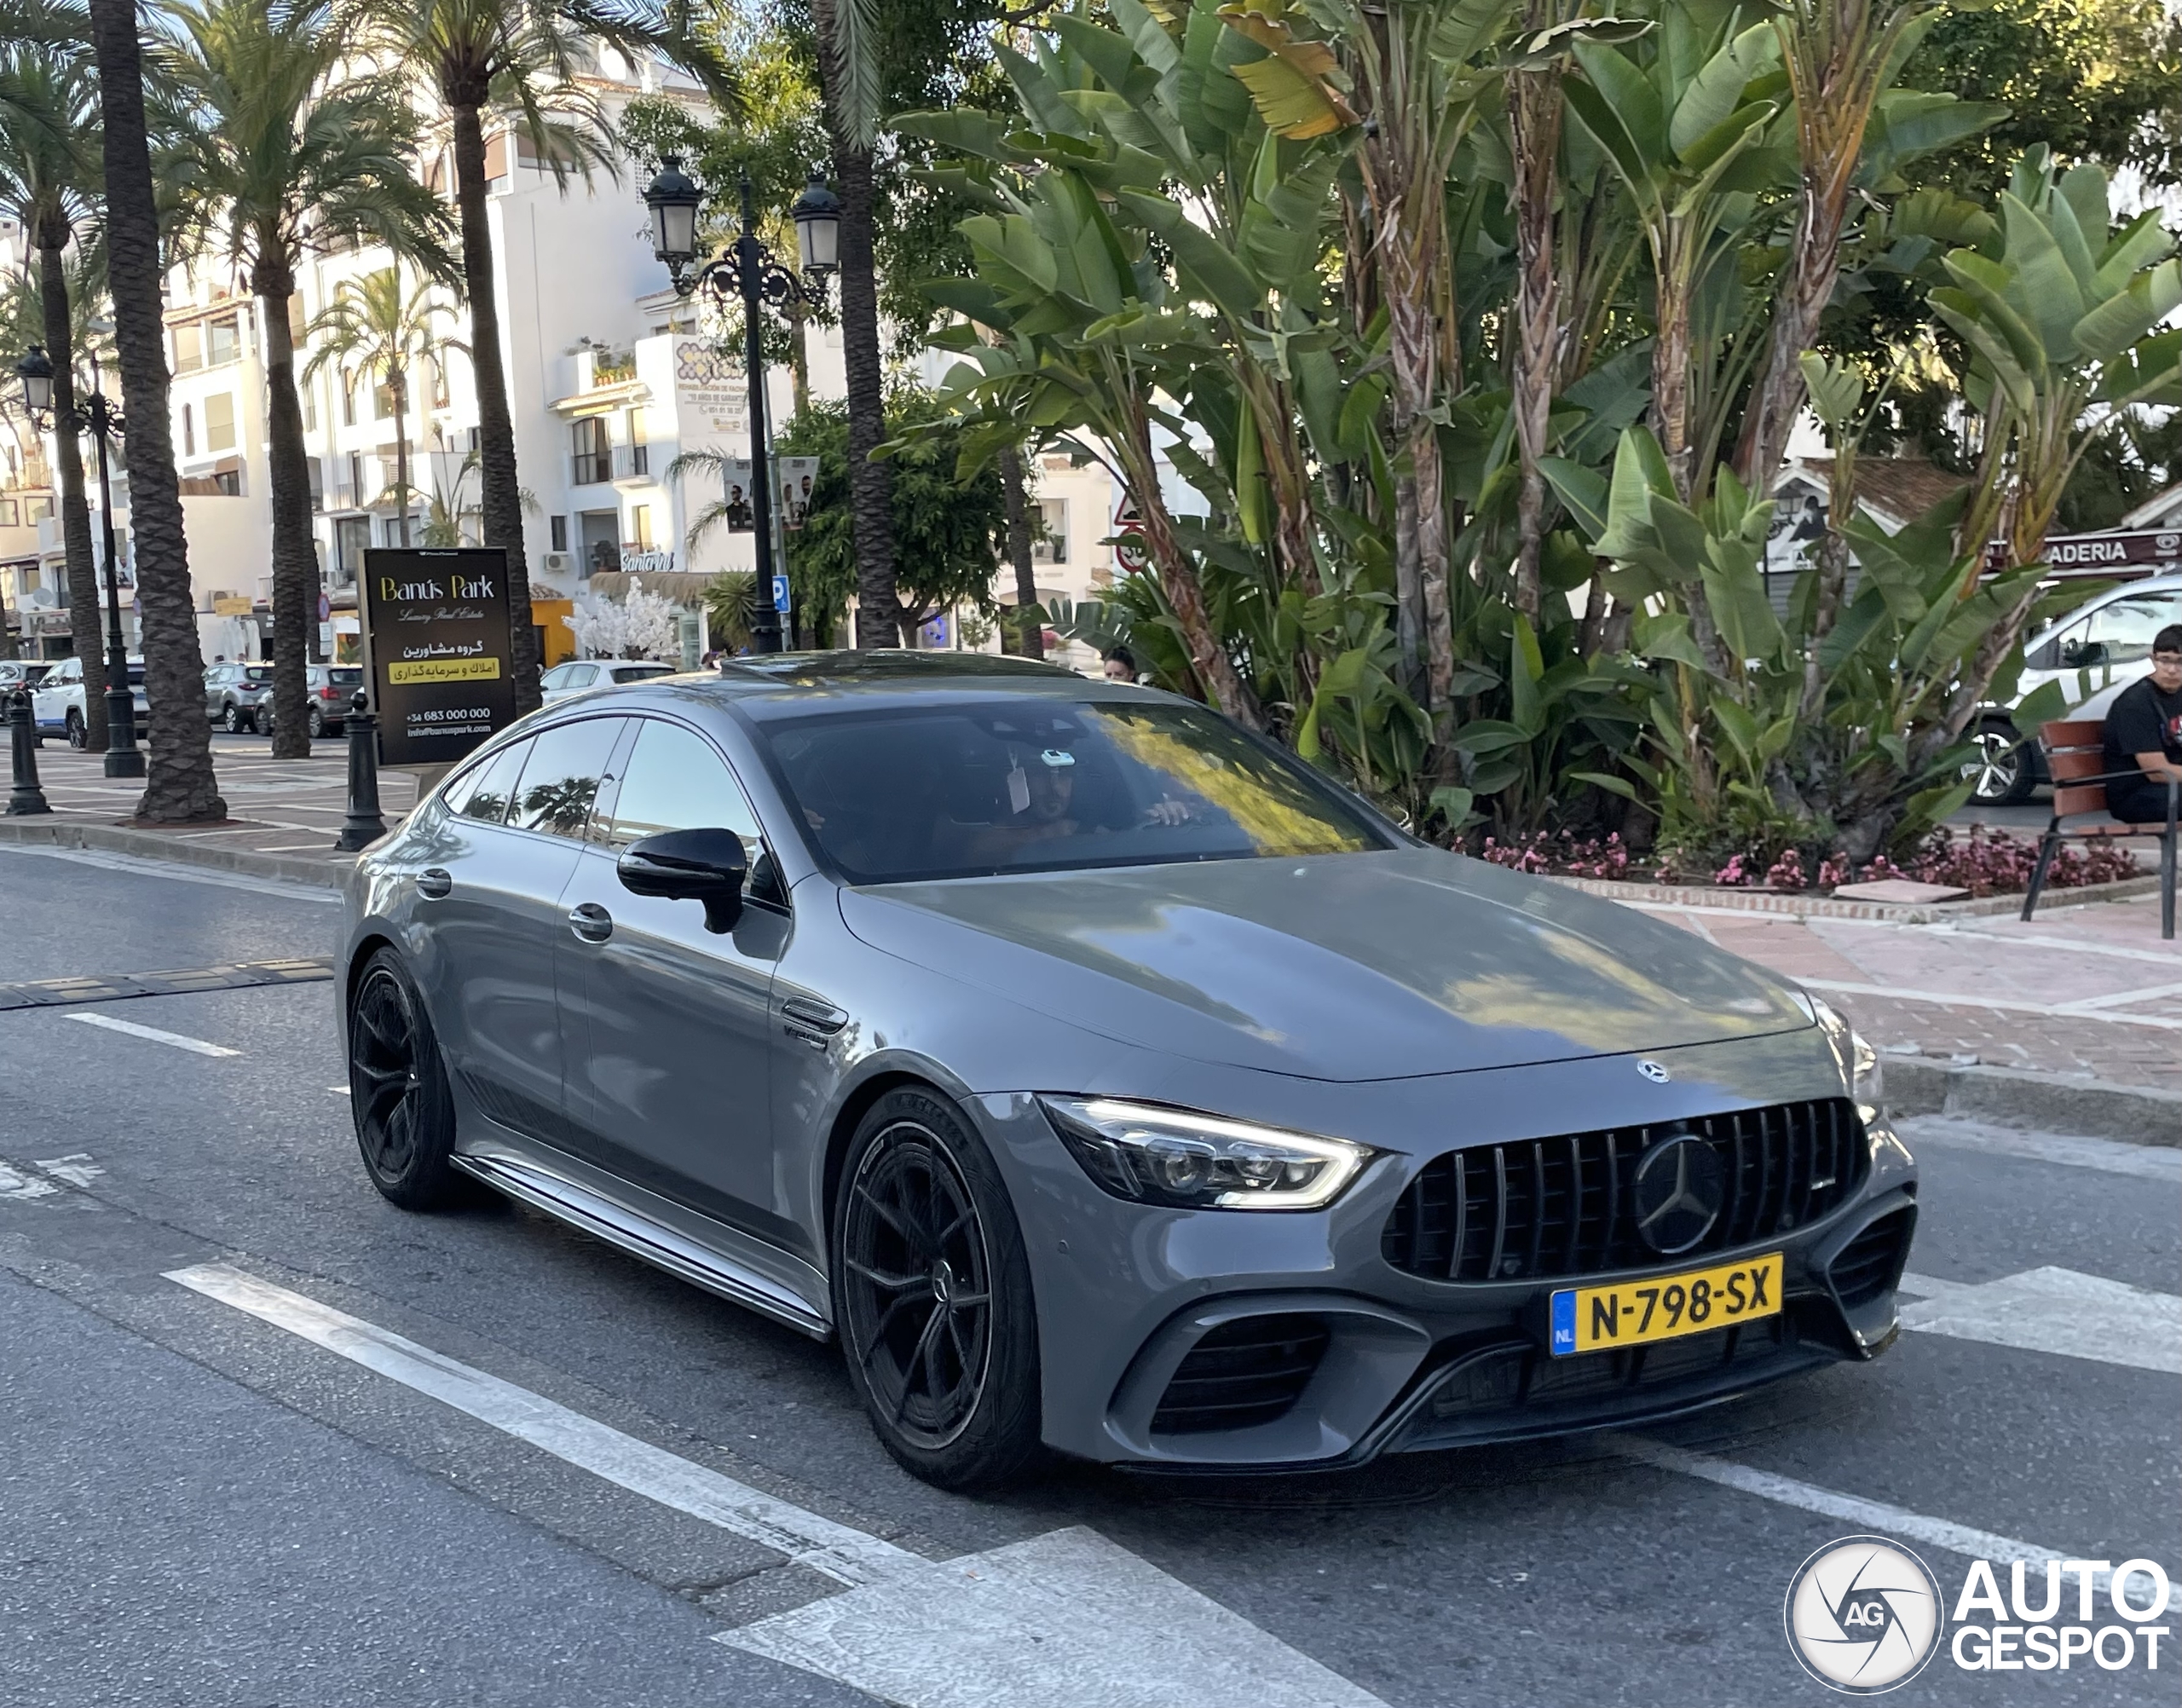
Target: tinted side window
{"x": 673, "y": 781}
{"x": 561, "y": 779}
{"x": 485, "y": 793}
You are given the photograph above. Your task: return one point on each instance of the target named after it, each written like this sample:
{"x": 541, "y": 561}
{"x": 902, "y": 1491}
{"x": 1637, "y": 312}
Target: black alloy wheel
{"x": 932, "y": 1297}
{"x": 78, "y": 735}
{"x": 398, "y": 1091}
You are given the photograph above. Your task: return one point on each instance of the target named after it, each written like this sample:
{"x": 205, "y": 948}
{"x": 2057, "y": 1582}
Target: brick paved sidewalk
{"x": 293, "y": 808}
{"x": 2088, "y": 989}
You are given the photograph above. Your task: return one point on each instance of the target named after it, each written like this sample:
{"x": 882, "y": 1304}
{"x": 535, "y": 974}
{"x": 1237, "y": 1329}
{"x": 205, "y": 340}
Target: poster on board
{"x": 440, "y": 646}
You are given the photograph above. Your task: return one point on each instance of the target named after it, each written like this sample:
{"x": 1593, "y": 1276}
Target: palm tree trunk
{"x": 1534, "y": 120}
{"x": 1030, "y": 639}
{"x": 502, "y": 496}
{"x": 880, "y": 618}
{"x": 295, "y": 561}
{"x": 75, "y": 514}
{"x": 180, "y": 787}
{"x": 397, "y": 383}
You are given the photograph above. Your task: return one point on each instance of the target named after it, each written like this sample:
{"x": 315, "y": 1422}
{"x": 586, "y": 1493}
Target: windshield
{"x": 1017, "y": 785}
{"x": 258, "y": 672}
{"x": 636, "y": 672}
{"x": 351, "y": 676}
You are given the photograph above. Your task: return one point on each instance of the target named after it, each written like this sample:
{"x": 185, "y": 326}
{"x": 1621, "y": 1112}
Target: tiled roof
{"x": 1897, "y": 489}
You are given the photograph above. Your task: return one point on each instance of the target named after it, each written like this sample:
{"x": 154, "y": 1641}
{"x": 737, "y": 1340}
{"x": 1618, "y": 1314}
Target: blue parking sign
{"x": 780, "y": 594}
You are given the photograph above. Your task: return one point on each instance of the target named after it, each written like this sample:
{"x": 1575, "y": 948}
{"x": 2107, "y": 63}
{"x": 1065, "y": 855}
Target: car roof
{"x": 793, "y": 684}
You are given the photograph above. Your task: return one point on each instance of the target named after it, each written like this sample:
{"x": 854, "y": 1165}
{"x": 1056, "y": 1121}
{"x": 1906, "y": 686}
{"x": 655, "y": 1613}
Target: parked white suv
{"x": 2103, "y": 644}
{"x": 57, "y": 701}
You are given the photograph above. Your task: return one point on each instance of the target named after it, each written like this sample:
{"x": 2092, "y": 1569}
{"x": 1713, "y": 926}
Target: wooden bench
{"x": 2075, "y": 757}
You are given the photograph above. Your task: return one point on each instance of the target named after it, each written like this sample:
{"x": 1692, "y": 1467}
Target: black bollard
{"x": 26, "y": 799}
{"x": 364, "y": 825}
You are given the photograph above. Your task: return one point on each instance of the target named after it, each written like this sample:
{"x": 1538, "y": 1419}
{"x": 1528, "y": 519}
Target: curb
{"x": 62, "y": 833}
{"x": 2043, "y": 1102}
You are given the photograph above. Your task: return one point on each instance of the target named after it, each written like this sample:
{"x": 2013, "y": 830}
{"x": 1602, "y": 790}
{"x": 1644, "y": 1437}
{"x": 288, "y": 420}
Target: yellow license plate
{"x": 1664, "y": 1307}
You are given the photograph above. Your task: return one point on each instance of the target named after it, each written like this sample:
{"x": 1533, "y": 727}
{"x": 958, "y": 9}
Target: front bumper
{"x": 1138, "y": 1306}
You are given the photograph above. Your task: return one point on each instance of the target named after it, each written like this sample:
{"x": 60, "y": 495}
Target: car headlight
{"x": 1858, "y": 1061}
{"x": 1186, "y": 1160}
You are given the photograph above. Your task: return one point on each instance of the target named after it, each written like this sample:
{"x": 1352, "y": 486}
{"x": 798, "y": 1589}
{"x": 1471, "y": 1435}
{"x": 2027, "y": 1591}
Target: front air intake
{"x": 1249, "y": 1372}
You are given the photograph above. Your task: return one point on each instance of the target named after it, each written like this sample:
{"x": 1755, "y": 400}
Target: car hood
{"x": 1347, "y": 967}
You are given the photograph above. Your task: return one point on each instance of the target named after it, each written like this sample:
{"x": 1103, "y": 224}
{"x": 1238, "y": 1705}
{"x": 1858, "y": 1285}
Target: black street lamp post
{"x": 123, "y": 758}
{"x": 747, "y": 269}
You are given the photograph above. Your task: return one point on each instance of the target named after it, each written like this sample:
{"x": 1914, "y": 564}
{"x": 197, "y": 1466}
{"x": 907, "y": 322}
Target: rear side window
{"x": 484, "y": 794}
{"x": 561, "y": 779}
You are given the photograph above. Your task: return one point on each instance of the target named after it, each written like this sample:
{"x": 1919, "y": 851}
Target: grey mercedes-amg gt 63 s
{"x": 1104, "y": 1077}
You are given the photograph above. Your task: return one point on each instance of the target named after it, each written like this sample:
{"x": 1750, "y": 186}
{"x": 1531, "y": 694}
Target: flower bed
{"x": 1984, "y": 861}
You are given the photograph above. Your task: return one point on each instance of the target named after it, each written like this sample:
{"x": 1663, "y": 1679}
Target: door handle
{"x": 433, "y": 883}
{"x": 591, "y": 922}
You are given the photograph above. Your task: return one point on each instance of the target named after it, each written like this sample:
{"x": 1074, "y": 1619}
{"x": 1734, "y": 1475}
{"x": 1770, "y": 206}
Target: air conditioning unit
{"x": 557, "y": 562}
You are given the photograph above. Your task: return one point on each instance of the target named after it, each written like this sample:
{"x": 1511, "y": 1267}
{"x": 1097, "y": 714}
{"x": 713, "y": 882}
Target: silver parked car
{"x": 1104, "y": 1078}
{"x": 2103, "y": 645}
{"x": 239, "y": 696}
{"x": 580, "y": 676}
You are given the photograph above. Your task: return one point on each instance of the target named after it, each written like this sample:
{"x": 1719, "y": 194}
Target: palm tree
{"x": 848, "y": 74}
{"x": 382, "y": 332}
{"x": 522, "y": 58}
{"x": 180, "y": 787}
{"x": 283, "y": 146}
{"x": 49, "y": 168}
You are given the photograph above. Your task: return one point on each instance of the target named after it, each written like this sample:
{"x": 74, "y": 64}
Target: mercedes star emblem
{"x": 1677, "y": 1189}
{"x": 1654, "y": 1072}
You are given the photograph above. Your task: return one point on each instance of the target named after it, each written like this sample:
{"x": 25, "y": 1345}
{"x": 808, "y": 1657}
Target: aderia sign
{"x": 2151, "y": 551}
{"x": 438, "y": 641}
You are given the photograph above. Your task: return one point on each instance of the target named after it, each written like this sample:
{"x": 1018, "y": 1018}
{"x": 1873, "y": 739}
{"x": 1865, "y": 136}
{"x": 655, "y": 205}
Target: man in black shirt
{"x": 2144, "y": 732}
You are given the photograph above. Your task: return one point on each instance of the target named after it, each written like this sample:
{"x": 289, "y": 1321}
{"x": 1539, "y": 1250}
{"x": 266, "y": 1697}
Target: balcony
{"x": 633, "y": 462}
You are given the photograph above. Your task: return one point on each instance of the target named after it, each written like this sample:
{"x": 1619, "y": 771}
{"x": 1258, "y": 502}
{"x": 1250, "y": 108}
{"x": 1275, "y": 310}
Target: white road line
{"x": 846, "y": 1555}
{"x": 2143, "y": 1161}
{"x": 22, "y": 1188}
{"x": 1963, "y": 1000}
{"x": 77, "y": 1168}
{"x": 1065, "y": 1620}
{"x": 2151, "y": 994}
{"x": 2077, "y": 945}
{"x": 2051, "y": 1310}
{"x": 196, "y": 1046}
{"x": 1867, "y": 1515}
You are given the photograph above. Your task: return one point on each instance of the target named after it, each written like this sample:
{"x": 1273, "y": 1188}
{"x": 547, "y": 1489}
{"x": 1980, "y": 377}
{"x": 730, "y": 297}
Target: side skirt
{"x": 642, "y": 1236}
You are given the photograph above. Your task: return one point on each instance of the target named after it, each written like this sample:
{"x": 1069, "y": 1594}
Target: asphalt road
{"x": 200, "y": 1507}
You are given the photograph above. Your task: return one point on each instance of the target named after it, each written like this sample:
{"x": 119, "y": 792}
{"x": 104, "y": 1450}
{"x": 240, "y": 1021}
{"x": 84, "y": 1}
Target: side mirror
{"x": 707, "y": 866}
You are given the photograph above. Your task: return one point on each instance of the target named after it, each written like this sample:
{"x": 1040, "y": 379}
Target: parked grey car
{"x": 239, "y": 697}
{"x": 329, "y": 690}
{"x": 1104, "y": 1078}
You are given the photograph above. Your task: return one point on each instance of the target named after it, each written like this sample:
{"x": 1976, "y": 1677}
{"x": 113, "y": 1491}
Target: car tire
{"x": 231, "y": 719}
{"x": 398, "y": 1093}
{"x": 78, "y": 735}
{"x": 2003, "y": 774}
{"x": 931, "y": 1296}
{"x": 317, "y": 724}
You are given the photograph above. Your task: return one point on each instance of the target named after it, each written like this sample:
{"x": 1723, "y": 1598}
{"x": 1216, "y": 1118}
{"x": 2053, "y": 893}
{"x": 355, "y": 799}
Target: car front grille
{"x": 1542, "y": 1207}
{"x": 1871, "y": 1262}
{"x": 1241, "y": 1373}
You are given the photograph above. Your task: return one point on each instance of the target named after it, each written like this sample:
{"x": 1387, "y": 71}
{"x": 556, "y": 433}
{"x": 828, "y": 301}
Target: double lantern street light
{"x": 748, "y": 269}
{"x": 123, "y": 758}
